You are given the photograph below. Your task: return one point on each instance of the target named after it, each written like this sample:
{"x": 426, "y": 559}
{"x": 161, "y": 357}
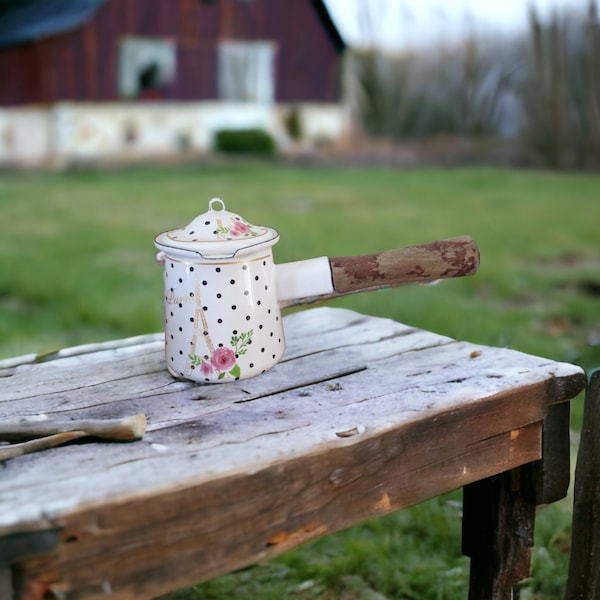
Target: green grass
{"x": 77, "y": 266}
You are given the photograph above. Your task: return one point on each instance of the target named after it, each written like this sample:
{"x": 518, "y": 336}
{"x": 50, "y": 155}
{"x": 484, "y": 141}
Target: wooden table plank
{"x": 429, "y": 414}
{"x": 200, "y": 532}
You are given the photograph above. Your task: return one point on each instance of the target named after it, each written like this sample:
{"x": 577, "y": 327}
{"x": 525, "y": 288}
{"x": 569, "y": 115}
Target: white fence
{"x": 69, "y": 133}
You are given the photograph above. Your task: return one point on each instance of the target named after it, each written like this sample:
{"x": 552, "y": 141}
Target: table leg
{"x": 553, "y": 472}
{"x": 584, "y": 567}
{"x": 498, "y": 523}
{"x": 499, "y": 513}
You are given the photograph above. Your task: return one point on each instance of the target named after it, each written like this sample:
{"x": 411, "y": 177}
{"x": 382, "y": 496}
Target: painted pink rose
{"x": 223, "y": 359}
{"x": 206, "y": 368}
{"x": 240, "y": 228}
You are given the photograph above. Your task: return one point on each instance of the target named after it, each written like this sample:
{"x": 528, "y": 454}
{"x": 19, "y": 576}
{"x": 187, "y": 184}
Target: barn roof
{"x": 329, "y": 24}
{"x": 25, "y": 20}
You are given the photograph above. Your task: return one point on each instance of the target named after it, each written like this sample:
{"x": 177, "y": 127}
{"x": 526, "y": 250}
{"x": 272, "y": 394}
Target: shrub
{"x": 293, "y": 124}
{"x": 245, "y": 141}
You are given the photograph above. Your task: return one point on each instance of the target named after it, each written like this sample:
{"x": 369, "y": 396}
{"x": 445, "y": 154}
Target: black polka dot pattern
{"x": 222, "y": 320}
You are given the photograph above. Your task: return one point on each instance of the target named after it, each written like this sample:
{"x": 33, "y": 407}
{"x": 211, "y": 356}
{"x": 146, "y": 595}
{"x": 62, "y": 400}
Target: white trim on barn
{"x": 69, "y": 133}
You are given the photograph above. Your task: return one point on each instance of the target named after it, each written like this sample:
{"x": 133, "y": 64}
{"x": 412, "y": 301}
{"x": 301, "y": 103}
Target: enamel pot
{"x": 224, "y": 294}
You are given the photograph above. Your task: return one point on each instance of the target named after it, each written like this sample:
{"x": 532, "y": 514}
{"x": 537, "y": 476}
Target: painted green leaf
{"x": 195, "y": 359}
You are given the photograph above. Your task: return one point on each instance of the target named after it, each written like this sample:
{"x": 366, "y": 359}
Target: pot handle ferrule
{"x": 302, "y": 279}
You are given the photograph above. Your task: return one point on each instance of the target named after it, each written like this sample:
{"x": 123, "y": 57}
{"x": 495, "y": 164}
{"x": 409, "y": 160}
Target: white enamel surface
{"x": 216, "y": 233}
{"x": 222, "y": 319}
{"x": 303, "y": 279}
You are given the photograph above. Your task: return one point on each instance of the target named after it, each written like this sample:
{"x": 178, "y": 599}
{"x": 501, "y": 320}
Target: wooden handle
{"x": 454, "y": 257}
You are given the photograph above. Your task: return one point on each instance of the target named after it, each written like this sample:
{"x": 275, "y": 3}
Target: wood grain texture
{"x": 455, "y": 257}
{"x": 127, "y": 429}
{"x": 228, "y": 475}
{"x": 498, "y": 527}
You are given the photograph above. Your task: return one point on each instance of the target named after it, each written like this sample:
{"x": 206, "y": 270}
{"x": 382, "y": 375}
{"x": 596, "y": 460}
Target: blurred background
{"x": 100, "y": 80}
{"x": 351, "y": 126}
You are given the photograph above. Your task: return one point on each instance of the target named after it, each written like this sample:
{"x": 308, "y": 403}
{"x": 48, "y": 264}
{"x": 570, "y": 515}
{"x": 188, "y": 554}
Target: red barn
{"x": 169, "y": 50}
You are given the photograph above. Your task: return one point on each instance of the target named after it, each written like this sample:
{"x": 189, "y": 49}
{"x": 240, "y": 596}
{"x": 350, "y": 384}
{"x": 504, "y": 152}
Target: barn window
{"x": 246, "y": 71}
{"x": 145, "y": 66}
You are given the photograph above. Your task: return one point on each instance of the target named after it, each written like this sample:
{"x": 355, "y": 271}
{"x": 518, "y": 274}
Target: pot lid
{"x": 216, "y": 233}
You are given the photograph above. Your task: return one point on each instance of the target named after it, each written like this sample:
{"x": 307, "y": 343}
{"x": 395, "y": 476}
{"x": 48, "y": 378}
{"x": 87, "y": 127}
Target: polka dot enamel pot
{"x": 222, "y": 312}
{"x": 223, "y": 293}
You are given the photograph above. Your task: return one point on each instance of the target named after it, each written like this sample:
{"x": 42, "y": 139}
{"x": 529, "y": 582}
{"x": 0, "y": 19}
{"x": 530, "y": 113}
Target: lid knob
{"x": 215, "y": 201}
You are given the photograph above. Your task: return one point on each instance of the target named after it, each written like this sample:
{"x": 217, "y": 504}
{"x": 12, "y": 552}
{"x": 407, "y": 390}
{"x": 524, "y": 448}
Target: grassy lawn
{"x": 77, "y": 265}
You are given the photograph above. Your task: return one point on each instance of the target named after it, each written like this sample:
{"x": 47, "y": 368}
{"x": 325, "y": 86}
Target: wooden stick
{"x": 14, "y": 450}
{"x": 126, "y": 429}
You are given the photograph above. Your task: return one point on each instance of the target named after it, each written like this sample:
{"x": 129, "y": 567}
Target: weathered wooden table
{"x": 364, "y": 416}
